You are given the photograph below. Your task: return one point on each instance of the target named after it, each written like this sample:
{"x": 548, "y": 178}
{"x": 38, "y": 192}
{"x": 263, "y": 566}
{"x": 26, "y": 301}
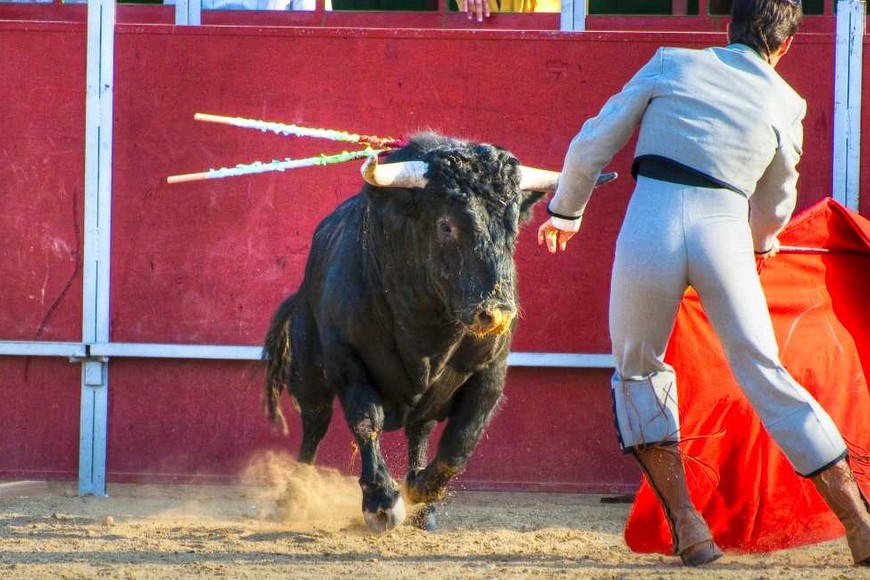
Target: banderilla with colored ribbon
{"x": 373, "y": 146}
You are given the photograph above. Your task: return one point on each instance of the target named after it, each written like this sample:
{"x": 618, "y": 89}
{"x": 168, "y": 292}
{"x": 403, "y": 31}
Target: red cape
{"x": 738, "y": 478}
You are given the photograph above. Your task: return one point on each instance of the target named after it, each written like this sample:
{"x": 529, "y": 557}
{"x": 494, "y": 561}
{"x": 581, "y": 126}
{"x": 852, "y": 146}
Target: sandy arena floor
{"x": 148, "y": 531}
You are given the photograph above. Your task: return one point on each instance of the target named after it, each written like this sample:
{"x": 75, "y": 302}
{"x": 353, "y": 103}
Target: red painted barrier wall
{"x": 206, "y": 263}
{"x": 41, "y": 187}
{"x": 42, "y": 181}
{"x": 39, "y": 418}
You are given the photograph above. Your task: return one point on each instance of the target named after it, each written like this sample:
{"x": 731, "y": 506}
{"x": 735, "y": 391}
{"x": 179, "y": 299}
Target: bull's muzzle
{"x": 491, "y": 320}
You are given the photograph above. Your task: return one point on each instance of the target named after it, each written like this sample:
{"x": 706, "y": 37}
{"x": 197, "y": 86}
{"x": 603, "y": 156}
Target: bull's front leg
{"x": 382, "y": 504}
{"x": 475, "y": 404}
{"x": 418, "y": 456}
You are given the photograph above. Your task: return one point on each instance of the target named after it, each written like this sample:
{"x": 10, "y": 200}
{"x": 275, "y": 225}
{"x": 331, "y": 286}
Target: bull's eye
{"x": 446, "y": 231}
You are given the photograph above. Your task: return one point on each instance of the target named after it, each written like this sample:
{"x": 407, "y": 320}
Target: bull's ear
{"x": 530, "y": 198}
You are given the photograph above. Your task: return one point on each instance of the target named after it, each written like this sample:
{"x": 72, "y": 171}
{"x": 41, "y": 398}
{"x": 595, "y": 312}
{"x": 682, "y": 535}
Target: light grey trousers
{"x": 675, "y": 236}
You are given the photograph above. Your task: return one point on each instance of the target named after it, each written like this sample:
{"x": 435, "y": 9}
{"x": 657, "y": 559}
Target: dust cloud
{"x": 296, "y": 494}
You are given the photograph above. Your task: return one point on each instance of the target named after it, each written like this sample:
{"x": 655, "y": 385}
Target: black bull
{"x": 405, "y": 313}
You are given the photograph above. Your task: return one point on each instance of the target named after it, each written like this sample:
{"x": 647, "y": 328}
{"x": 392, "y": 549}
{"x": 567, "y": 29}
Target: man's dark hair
{"x": 764, "y": 24}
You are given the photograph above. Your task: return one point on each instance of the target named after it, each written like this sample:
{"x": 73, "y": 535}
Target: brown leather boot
{"x": 838, "y": 486}
{"x": 692, "y": 539}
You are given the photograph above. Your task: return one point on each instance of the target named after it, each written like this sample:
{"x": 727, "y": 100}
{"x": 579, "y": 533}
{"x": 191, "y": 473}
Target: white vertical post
{"x": 97, "y": 243}
{"x": 573, "y": 16}
{"x": 847, "y": 101}
{"x": 188, "y": 12}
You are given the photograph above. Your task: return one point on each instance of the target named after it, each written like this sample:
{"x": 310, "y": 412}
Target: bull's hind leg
{"x": 418, "y": 455}
{"x": 311, "y": 394}
{"x": 315, "y": 422}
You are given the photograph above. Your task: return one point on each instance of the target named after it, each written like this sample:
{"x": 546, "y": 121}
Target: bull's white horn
{"x": 399, "y": 174}
{"x": 534, "y": 179}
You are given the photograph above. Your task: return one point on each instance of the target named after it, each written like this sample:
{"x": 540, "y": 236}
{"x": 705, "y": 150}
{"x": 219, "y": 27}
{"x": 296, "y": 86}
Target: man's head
{"x": 765, "y": 25}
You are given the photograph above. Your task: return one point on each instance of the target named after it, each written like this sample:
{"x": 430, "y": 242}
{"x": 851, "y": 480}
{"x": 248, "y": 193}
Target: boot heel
{"x": 701, "y": 554}
{"x": 841, "y": 492}
{"x": 663, "y": 467}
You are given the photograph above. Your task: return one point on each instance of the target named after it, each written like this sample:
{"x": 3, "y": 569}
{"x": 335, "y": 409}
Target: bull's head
{"x": 458, "y": 208}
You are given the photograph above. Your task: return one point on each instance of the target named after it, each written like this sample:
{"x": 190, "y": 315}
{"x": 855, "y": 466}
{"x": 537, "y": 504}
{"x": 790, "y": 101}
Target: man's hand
{"x": 480, "y": 8}
{"x": 553, "y": 237}
{"x": 774, "y": 250}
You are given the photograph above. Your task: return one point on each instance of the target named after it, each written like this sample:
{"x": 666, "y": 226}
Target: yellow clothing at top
{"x": 524, "y": 5}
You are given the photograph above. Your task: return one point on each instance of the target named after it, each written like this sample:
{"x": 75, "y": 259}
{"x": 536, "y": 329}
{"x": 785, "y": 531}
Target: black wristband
{"x": 564, "y": 217}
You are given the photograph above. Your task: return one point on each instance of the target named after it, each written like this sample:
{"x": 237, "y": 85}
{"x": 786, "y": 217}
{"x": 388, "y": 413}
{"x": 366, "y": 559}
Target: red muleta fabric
{"x": 738, "y": 478}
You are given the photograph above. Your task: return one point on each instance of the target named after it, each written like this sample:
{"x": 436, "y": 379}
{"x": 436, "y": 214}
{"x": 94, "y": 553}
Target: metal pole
{"x": 254, "y": 353}
{"x": 573, "y": 18}
{"x": 847, "y": 101}
{"x": 71, "y": 350}
{"x": 188, "y": 12}
{"x": 97, "y": 244}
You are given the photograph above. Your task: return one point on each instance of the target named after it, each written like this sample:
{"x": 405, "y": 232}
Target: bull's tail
{"x": 276, "y": 356}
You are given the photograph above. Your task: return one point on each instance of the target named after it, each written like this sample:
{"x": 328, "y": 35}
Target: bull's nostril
{"x": 486, "y": 321}
{"x": 484, "y": 318}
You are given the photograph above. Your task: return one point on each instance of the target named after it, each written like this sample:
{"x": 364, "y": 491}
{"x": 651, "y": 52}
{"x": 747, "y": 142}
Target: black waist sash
{"x": 664, "y": 169}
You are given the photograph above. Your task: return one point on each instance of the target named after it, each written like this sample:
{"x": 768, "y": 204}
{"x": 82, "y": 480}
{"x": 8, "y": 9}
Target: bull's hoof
{"x": 385, "y": 520}
{"x": 424, "y": 519}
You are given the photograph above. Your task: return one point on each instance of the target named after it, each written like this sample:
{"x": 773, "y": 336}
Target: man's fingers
{"x": 553, "y": 240}
{"x": 479, "y": 8}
